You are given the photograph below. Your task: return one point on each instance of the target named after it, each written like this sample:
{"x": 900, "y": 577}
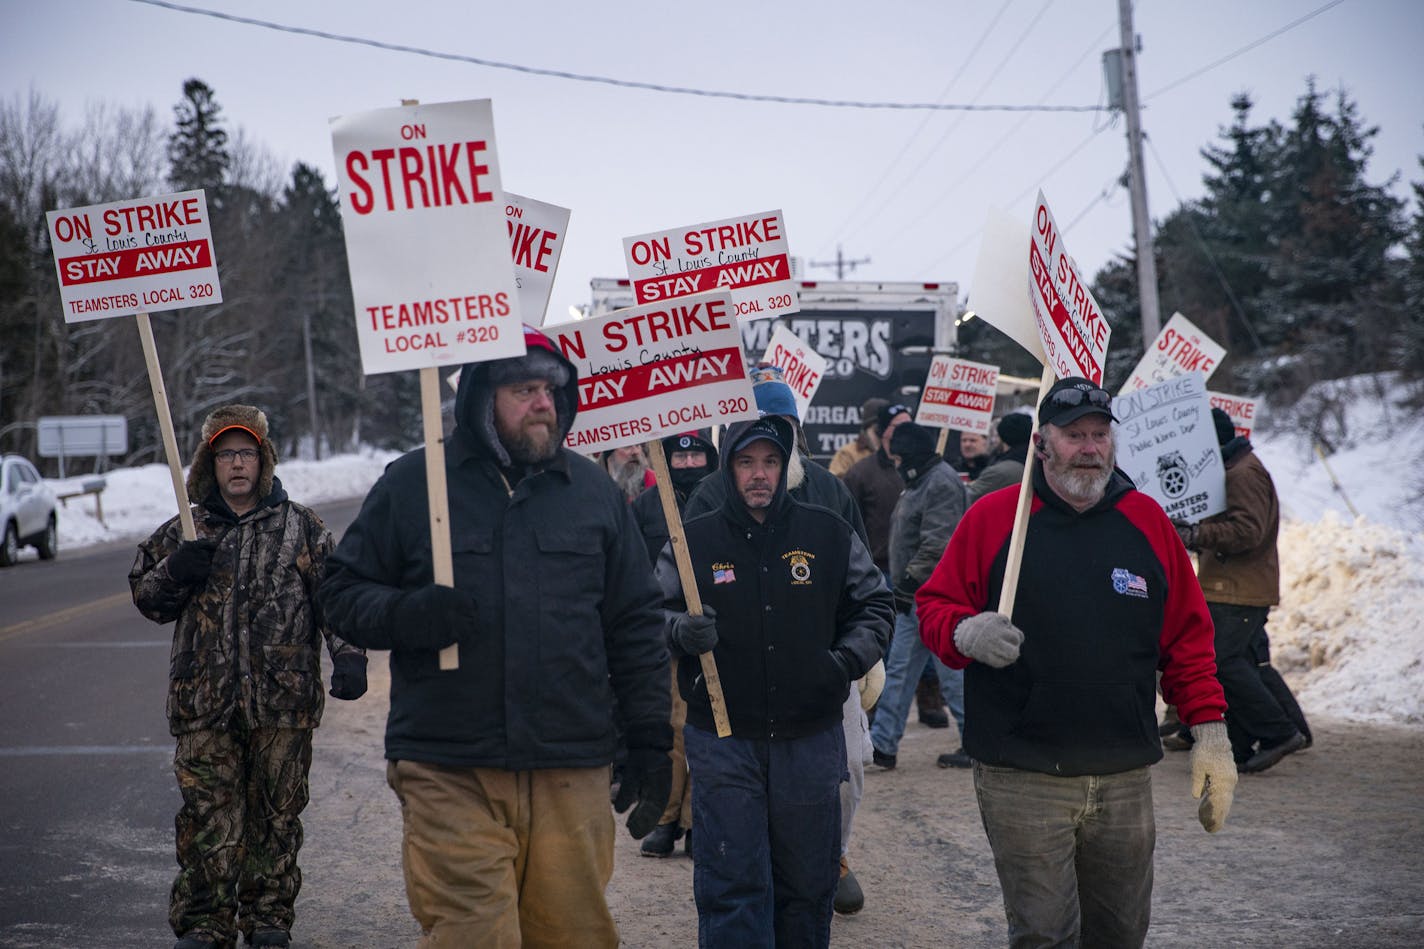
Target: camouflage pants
{"x": 238, "y": 831}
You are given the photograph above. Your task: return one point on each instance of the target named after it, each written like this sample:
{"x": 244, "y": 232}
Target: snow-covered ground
{"x": 1349, "y": 633}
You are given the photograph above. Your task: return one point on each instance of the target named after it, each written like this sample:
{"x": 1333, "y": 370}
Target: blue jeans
{"x": 767, "y": 857}
{"x": 1074, "y": 854}
{"x": 908, "y": 654}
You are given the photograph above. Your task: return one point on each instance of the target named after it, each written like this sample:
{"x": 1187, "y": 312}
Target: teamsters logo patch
{"x": 800, "y": 562}
{"x": 1127, "y": 583}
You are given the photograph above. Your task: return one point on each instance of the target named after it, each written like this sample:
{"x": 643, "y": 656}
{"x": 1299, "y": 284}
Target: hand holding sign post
{"x": 650, "y": 371}
{"x": 132, "y": 258}
{"x": 429, "y": 254}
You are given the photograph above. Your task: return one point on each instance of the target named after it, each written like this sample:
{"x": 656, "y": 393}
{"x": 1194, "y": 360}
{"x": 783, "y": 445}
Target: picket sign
{"x": 156, "y": 254}
{"x": 1072, "y": 335}
{"x": 690, "y": 595}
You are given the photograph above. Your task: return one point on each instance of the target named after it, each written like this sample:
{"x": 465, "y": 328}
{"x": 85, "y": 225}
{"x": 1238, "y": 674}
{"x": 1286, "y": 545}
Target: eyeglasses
{"x": 228, "y": 455}
{"x": 1070, "y": 398}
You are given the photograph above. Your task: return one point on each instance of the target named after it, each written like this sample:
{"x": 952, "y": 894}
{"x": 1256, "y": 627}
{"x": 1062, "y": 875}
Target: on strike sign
{"x": 801, "y": 366}
{"x": 1180, "y": 348}
{"x": 1074, "y": 331}
{"x": 135, "y": 256}
{"x": 1167, "y": 446}
{"x": 426, "y": 236}
{"x": 745, "y": 255}
{"x": 536, "y": 239}
{"x": 958, "y": 394}
{"x": 650, "y": 371}
{"x": 1241, "y": 409}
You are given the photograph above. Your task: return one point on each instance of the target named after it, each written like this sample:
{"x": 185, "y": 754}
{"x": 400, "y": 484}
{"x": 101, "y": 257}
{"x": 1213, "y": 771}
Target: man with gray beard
{"x": 628, "y": 467}
{"x": 1060, "y": 697}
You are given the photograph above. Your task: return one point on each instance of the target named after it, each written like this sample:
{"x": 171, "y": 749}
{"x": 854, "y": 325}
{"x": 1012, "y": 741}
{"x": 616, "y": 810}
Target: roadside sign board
{"x": 1070, "y": 324}
{"x": 1241, "y": 409}
{"x": 958, "y": 394}
{"x": 801, "y": 366}
{"x": 655, "y": 370}
{"x": 1167, "y": 446}
{"x": 136, "y": 256}
{"x": 536, "y": 239}
{"x": 82, "y": 435}
{"x": 1179, "y": 348}
{"x": 746, "y": 256}
{"x": 426, "y": 236}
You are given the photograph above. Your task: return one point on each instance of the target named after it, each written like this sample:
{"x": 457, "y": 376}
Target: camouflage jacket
{"x": 246, "y": 647}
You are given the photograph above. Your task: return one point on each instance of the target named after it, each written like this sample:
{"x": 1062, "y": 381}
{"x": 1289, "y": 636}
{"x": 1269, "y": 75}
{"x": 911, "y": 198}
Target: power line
{"x": 622, "y": 83}
{"x": 1245, "y": 49}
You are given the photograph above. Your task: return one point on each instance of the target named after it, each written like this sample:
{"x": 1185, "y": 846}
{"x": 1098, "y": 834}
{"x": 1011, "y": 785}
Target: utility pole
{"x": 1141, "y": 221}
{"x": 840, "y": 263}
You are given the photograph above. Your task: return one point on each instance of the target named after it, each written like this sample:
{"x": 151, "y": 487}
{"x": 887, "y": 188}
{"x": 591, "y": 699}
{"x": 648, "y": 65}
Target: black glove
{"x": 647, "y": 779}
{"x": 695, "y": 635}
{"x": 843, "y": 664}
{"x": 1188, "y": 533}
{"x": 432, "y": 617}
{"x": 191, "y": 563}
{"x": 348, "y": 676}
{"x": 904, "y": 593}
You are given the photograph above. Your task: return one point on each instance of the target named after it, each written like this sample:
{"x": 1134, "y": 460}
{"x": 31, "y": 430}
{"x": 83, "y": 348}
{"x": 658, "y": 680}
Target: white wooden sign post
{"x": 959, "y": 395}
{"x": 656, "y": 370}
{"x": 1179, "y": 349}
{"x": 536, "y": 241}
{"x": 1168, "y": 446}
{"x": 130, "y": 258}
{"x": 429, "y": 251}
{"x": 801, "y": 366}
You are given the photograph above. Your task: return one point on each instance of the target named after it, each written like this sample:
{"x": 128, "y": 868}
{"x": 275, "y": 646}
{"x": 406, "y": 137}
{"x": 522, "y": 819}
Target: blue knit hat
{"x": 773, "y": 395}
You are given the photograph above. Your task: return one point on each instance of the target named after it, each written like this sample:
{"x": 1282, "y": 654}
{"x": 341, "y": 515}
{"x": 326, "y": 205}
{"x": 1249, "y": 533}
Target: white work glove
{"x": 990, "y": 638}
{"x": 871, "y": 685}
{"x": 1213, "y": 774}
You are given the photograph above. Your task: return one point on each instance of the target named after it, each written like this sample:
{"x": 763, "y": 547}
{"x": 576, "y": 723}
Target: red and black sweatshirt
{"x": 1106, "y": 598}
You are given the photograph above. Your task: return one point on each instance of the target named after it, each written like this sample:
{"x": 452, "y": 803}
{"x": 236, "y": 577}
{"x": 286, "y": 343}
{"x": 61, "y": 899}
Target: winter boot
{"x": 662, "y": 841}
{"x": 931, "y": 704}
{"x": 850, "y": 899}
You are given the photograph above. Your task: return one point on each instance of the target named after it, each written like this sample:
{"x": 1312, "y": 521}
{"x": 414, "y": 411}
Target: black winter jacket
{"x": 787, "y": 592}
{"x": 569, "y": 615}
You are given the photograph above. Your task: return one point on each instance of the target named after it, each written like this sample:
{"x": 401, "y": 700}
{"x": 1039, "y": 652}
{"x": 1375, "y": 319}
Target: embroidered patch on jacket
{"x": 722, "y": 573}
{"x": 1128, "y": 583}
{"x": 800, "y": 562}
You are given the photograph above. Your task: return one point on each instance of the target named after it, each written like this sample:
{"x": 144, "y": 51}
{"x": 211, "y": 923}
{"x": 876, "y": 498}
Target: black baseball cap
{"x": 770, "y": 427}
{"x": 1072, "y": 398}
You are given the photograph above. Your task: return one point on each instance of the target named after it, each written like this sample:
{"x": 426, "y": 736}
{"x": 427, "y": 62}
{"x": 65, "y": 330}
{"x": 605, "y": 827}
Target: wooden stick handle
{"x": 437, "y": 495}
{"x": 940, "y": 447}
{"x": 1009, "y": 590}
{"x": 685, "y": 573}
{"x": 165, "y": 425}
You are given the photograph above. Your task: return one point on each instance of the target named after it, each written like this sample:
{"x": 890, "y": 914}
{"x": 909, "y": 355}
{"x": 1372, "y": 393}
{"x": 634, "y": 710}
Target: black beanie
{"x": 912, "y": 441}
{"x": 1014, "y": 429}
{"x": 1225, "y": 428}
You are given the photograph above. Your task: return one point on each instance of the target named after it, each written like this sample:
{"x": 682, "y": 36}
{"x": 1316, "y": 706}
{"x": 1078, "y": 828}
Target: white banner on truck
{"x": 137, "y": 256}
{"x": 802, "y": 367}
{"x": 1241, "y": 409}
{"x": 1167, "y": 445}
{"x": 536, "y": 240}
{"x": 657, "y": 370}
{"x": 1180, "y": 348}
{"x": 426, "y": 238}
{"x": 1070, "y": 324}
{"x": 958, "y": 394}
{"x": 746, "y": 256}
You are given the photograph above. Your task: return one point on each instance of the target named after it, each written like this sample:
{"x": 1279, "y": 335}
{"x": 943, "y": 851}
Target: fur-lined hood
{"x": 201, "y": 476}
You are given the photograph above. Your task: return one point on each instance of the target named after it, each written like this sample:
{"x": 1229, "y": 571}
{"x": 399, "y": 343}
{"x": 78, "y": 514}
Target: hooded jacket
{"x": 1106, "y": 598}
{"x": 788, "y": 592}
{"x": 568, "y": 615}
{"x": 247, "y": 641}
{"x": 876, "y": 486}
{"x": 924, "y": 519}
{"x": 1238, "y": 557}
{"x": 1005, "y": 471}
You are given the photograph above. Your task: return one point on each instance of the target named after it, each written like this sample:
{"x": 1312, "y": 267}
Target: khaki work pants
{"x": 679, "y": 807}
{"x": 506, "y": 858}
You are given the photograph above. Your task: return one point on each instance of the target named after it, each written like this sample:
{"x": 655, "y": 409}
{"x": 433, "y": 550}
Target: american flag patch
{"x": 1128, "y": 583}
{"x": 723, "y": 575}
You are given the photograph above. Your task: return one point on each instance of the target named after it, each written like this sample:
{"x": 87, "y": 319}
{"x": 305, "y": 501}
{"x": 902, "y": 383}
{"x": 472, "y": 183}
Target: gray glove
{"x": 695, "y": 635}
{"x": 1188, "y": 533}
{"x": 1213, "y": 774}
{"x": 991, "y": 638}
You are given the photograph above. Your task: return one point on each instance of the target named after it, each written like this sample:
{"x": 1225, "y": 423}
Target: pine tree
{"x": 197, "y": 149}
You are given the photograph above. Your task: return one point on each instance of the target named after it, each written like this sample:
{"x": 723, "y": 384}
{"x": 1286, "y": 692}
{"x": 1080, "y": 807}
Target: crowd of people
{"x": 592, "y": 637}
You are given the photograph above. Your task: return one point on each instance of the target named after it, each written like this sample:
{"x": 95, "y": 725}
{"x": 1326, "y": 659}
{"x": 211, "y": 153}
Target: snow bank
{"x": 1348, "y": 633}
{"x": 137, "y": 500}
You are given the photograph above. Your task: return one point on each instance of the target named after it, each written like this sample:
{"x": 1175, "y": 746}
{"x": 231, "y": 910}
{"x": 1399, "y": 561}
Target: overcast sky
{"x": 907, "y": 189}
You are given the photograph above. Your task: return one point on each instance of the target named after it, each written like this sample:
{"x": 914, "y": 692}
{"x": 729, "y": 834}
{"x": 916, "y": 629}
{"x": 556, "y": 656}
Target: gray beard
{"x": 1082, "y": 485}
{"x": 629, "y": 479}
